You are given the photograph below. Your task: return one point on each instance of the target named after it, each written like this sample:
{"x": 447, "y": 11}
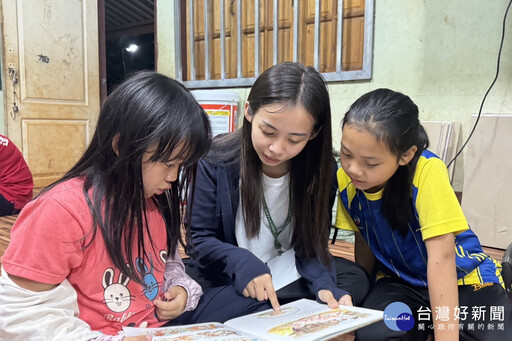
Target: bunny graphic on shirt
{"x": 149, "y": 281}
{"x": 116, "y": 296}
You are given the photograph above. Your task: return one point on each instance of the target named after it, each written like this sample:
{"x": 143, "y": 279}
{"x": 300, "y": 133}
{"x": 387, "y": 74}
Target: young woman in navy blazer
{"x": 264, "y": 194}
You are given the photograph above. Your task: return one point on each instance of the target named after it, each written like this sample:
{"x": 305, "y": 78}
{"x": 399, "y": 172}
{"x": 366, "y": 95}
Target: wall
{"x": 164, "y": 37}
{"x": 2, "y": 118}
{"x": 443, "y": 54}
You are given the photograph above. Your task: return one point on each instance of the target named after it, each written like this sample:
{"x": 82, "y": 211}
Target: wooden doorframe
{"x": 102, "y": 50}
{"x": 102, "y": 41}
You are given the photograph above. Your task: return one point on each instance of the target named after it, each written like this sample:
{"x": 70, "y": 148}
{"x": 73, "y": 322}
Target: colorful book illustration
{"x": 300, "y": 320}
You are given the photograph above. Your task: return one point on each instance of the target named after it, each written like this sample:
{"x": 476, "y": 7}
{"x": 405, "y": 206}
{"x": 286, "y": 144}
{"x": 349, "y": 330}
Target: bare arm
{"x": 363, "y": 254}
{"x": 31, "y": 285}
{"x": 442, "y": 283}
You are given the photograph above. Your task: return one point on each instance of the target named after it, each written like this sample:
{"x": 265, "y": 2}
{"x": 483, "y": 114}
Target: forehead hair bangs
{"x": 291, "y": 84}
{"x": 391, "y": 117}
{"x": 152, "y": 110}
{"x": 191, "y": 134}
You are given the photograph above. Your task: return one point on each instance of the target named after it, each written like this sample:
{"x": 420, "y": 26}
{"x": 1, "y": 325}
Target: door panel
{"x": 52, "y": 46}
{"x": 47, "y": 156}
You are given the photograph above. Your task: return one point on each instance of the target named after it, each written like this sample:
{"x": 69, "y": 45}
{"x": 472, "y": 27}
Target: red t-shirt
{"x": 46, "y": 246}
{"x": 16, "y": 182}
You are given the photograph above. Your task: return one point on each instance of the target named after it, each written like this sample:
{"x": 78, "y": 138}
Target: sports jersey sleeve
{"x": 438, "y": 209}
{"x": 343, "y": 219}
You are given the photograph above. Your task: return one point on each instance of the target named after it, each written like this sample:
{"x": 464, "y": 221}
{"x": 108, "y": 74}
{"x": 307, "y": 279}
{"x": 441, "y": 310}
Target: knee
{"x": 356, "y": 281}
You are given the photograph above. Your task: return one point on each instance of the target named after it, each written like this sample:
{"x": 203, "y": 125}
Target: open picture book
{"x": 300, "y": 320}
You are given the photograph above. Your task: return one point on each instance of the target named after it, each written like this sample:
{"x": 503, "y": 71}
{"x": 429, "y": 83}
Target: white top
{"x": 43, "y": 316}
{"x": 276, "y": 191}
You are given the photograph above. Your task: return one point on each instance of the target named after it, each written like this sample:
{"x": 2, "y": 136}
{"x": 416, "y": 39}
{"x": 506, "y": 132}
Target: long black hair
{"x": 310, "y": 171}
{"x": 147, "y": 110}
{"x": 392, "y": 118}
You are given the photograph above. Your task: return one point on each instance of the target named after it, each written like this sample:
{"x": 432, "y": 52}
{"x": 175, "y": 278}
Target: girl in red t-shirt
{"x": 97, "y": 250}
{"x": 16, "y": 182}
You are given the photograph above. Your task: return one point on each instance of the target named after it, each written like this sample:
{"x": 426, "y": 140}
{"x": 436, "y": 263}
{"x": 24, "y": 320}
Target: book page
{"x": 305, "y": 320}
{"x": 192, "y": 332}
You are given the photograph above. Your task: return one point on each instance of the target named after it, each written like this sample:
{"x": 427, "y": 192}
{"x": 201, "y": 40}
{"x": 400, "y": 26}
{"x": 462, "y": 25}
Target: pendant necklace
{"x": 273, "y": 229}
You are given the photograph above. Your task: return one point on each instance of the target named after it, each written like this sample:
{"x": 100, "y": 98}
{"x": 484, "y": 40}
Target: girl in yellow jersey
{"x": 411, "y": 234}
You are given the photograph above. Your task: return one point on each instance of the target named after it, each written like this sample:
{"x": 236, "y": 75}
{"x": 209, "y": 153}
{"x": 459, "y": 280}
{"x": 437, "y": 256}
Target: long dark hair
{"x": 310, "y": 171}
{"x": 392, "y": 118}
{"x": 147, "y": 110}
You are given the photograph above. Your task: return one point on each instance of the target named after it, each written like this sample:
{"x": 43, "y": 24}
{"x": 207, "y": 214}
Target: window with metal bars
{"x": 217, "y": 45}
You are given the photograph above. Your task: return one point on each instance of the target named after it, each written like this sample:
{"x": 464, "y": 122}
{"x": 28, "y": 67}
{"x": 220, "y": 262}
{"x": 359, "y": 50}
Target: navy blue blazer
{"x": 214, "y": 205}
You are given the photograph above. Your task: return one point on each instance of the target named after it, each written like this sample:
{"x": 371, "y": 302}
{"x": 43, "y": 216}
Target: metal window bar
{"x": 239, "y": 38}
{"x": 295, "y": 32}
{"x": 177, "y": 42}
{"x": 339, "y": 38}
{"x": 206, "y": 41}
{"x": 275, "y": 58}
{"x": 338, "y": 75}
{"x": 256, "y": 38}
{"x": 222, "y": 41}
{"x": 316, "y": 44}
{"x": 191, "y": 40}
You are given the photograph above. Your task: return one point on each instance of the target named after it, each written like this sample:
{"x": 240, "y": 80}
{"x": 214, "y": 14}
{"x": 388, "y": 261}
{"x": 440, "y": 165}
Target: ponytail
{"x": 396, "y": 198}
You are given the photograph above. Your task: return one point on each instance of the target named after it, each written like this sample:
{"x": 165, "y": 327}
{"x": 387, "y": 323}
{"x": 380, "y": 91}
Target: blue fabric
{"x": 216, "y": 254}
{"x": 471, "y": 298}
{"x": 399, "y": 255}
{"x": 6, "y": 207}
{"x": 406, "y": 256}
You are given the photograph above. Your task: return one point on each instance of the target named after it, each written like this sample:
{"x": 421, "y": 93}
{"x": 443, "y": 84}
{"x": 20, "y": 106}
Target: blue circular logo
{"x": 398, "y": 317}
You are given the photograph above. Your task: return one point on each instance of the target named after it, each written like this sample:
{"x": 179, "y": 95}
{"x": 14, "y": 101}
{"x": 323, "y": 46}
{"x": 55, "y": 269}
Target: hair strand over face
{"x": 392, "y": 118}
{"x": 147, "y": 110}
{"x": 311, "y": 171}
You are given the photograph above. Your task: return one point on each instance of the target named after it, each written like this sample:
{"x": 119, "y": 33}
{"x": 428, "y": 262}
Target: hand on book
{"x": 262, "y": 288}
{"x": 327, "y": 297}
{"x": 171, "y": 304}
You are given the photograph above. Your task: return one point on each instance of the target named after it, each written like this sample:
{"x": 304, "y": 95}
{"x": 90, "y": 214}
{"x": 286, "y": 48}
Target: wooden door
{"x": 266, "y": 28}
{"x": 353, "y": 35}
{"x": 50, "y": 54}
{"x": 214, "y": 39}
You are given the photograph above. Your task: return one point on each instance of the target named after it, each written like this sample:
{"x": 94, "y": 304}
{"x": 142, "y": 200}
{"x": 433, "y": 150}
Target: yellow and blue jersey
{"x": 436, "y": 212}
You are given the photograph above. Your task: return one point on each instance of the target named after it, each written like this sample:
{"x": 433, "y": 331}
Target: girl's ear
{"x": 407, "y": 156}
{"x": 247, "y": 115}
{"x": 115, "y": 144}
